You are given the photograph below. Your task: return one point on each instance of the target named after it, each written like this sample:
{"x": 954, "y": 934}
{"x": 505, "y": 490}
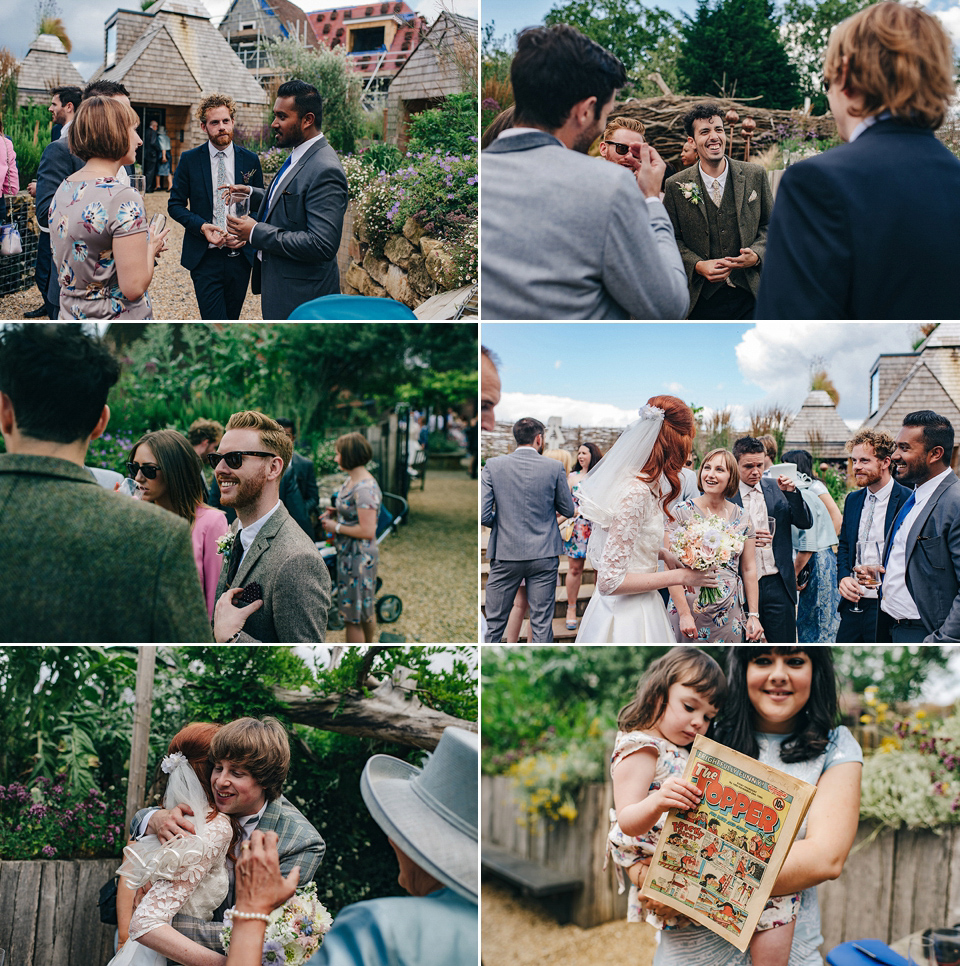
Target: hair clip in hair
{"x": 171, "y": 762}
{"x": 651, "y": 412}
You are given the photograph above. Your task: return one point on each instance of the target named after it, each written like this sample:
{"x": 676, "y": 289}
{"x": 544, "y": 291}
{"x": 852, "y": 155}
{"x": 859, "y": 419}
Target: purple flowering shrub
{"x": 45, "y": 821}
{"x": 111, "y": 450}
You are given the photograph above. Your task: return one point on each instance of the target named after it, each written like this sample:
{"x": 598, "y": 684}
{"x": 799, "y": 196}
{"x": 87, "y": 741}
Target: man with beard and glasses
{"x": 920, "y": 593}
{"x": 220, "y": 271}
{"x": 867, "y": 516}
{"x": 563, "y": 236}
{"x": 268, "y": 548}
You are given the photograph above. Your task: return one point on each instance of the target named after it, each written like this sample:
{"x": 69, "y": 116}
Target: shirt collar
{"x": 884, "y": 492}
{"x": 301, "y": 149}
{"x": 868, "y": 122}
{"x": 708, "y": 179}
{"x": 249, "y": 534}
{"x": 925, "y": 490}
{"x": 744, "y": 489}
{"x": 214, "y": 150}
{"x": 249, "y": 823}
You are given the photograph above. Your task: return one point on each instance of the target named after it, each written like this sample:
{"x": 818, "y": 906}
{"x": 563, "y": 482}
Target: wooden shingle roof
{"x": 428, "y": 73}
{"x": 46, "y": 65}
{"x": 818, "y": 423}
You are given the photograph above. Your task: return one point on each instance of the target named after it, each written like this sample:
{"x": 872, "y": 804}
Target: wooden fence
{"x": 49, "y": 914}
{"x": 893, "y": 885}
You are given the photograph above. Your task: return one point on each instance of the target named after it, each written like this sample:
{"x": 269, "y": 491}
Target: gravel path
{"x": 431, "y": 564}
{"x": 171, "y": 290}
{"x": 520, "y": 932}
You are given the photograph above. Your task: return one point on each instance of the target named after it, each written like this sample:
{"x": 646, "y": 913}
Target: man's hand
{"x": 764, "y": 538}
{"x": 786, "y": 484}
{"x": 713, "y": 269}
{"x": 32, "y": 189}
{"x": 213, "y": 235}
{"x": 241, "y": 227}
{"x": 850, "y": 589}
{"x": 746, "y": 259}
{"x": 648, "y": 169}
{"x": 168, "y": 824}
{"x": 234, "y": 243}
{"x": 228, "y": 620}
{"x": 259, "y": 885}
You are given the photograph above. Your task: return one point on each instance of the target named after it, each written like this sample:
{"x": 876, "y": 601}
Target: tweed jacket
{"x": 933, "y": 562}
{"x": 520, "y": 496}
{"x": 295, "y": 582}
{"x": 754, "y": 202}
{"x": 299, "y": 234}
{"x": 82, "y": 564}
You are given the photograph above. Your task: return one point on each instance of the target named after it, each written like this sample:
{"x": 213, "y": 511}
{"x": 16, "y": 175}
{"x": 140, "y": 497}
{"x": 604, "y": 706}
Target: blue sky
{"x": 600, "y": 373}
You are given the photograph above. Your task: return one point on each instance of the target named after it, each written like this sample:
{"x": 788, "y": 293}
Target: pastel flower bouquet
{"x": 702, "y": 543}
{"x": 295, "y": 930}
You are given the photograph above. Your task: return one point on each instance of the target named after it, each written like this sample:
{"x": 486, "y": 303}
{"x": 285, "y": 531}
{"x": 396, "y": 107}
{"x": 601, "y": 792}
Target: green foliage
{"x": 340, "y": 87}
{"x": 451, "y": 128}
{"x": 897, "y": 673}
{"x": 28, "y": 127}
{"x": 835, "y": 483}
{"x": 382, "y": 157}
{"x": 645, "y": 38}
{"x": 734, "y": 45}
{"x": 440, "y": 390}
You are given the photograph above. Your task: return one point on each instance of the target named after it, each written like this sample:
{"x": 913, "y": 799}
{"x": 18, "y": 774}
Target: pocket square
{"x": 753, "y": 196}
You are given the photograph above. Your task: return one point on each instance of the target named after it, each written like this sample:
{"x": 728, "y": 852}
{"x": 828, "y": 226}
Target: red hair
{"x": 672, "y": 447}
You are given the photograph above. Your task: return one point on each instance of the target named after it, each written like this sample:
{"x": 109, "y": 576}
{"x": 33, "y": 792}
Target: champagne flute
{"x": 139, "y": 184}
{"x": 920, "y": 951}
{"x": 868, "y": 560}
{"x": 772, "y": 526}
{"x": 238, "y": 205}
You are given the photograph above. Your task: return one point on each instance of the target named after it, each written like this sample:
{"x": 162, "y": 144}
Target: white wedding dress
{"x": 632, "y": 544}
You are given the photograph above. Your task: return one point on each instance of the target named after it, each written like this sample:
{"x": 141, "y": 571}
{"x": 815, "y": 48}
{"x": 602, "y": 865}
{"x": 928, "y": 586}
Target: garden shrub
{"x": 450, "y": 128}
{"x": 28, "y": 127}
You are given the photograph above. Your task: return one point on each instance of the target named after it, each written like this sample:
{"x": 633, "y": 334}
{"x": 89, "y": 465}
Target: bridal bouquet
{"x": 295, "y": 930}
{"x": 705, "y": 542}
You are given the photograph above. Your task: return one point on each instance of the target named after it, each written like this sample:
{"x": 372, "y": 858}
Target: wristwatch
{"x": 751, "y": 614}
{"x": 337, "y": 530}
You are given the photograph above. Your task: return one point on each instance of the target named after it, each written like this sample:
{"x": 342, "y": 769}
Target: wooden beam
{"x": 140, "y": 744}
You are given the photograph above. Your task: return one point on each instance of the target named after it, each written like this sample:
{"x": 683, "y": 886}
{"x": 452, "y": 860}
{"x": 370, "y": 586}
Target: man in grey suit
{"x": 300, "y": 219}
{"x": 520, "y": 496}
{"x": 565, "y": 236}
{"x": 268, "y": 548}
{"x": 80, "y": 563}
{"x": 921, "y": 559}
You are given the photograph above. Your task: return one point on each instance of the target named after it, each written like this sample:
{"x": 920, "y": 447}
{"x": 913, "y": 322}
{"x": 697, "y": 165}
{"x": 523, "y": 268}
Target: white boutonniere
{"x": 225, "y": 543}
{"x": 753, "y": 196}
{"x": 690, "y": 191}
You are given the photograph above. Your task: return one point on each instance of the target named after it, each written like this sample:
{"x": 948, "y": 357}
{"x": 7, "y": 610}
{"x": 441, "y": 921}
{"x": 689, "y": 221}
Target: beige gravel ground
{"x": 518, "y": 932}
{"x": 171, "y": 290}
{"x": 431, "y": 564}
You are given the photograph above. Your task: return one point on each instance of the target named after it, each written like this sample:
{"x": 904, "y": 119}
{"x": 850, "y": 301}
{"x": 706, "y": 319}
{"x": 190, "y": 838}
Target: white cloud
{"x": 950, "y": 18}
{"x": 674, "y": 387}
{"x": 557, "y": 364}
{"x": 574, "y": 412}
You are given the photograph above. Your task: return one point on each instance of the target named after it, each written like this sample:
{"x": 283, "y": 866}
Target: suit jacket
{"x": 151, "y": 148}
{"x": 851, "y": 238}
{"x": 566, "y": 236}
{"x": 789, "y": 510}
{"x": 754, "y": 202}
{"x": 300, "y": 234}
{"x": 520, "y": 496}
{"x": 933, "y": 562}
{"x": 193, "y": 187}
{"x": 83, "y": 564}
{"x": 299, "y": 493}
{"x": 295, "y": 582}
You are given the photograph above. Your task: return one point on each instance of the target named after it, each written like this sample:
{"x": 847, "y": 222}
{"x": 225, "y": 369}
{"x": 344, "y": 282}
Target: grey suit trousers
{"x": 502, "y": 586}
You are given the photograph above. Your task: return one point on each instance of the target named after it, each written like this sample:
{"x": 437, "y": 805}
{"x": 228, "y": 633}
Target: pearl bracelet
{"x": 247, "y": 915}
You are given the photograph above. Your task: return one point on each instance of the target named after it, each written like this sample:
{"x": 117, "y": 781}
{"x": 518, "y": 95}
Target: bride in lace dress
{"x": 186, "y": 874}
{"x": 626, "y": 495}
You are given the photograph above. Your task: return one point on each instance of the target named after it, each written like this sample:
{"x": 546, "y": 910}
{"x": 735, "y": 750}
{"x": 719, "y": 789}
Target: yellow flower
{"x": 567, "y": 811}
{"x": 889, "y": 743}
{"x": 865, "y": 719}
{"x": 883, "y": 707}
{"x": 921, "y": 714}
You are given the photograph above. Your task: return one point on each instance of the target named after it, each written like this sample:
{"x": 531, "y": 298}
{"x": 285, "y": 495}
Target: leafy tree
{"x": 732, "y": 46}
{"x": 645, "y": 38}
{"x": 898, "y": 672}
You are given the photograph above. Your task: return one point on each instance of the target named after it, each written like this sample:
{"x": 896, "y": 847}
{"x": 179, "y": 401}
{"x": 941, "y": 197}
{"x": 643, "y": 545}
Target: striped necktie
{"x": 866, "y": 519}
{"x": 219, "y": 208}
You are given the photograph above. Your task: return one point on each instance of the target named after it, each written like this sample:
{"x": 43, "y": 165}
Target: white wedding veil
{"x": 603, "y": 487}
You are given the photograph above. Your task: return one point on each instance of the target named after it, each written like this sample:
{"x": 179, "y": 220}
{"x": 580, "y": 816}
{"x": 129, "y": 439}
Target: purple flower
{"x": 49, "y": 851}
{"x": 490, "y": 104}
{"x": 272, "y": 953}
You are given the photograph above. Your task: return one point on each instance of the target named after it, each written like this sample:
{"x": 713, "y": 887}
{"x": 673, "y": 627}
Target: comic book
{"x": 717, "y": 863}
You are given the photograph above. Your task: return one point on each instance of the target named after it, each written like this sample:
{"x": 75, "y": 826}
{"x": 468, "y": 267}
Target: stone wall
{"x": 413, "y": 267}
{"x": 500, "y": 440}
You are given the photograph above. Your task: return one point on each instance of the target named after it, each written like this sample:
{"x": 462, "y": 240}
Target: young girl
{"x": 676, "y": 700}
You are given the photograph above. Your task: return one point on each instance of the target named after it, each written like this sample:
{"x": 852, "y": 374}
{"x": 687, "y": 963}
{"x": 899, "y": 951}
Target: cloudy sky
{"x": 84, "y": 20}
{"x": 598, "y": 374}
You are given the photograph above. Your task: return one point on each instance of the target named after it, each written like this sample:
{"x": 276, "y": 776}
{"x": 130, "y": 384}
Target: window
{"x": 366, "y": 38}
{"x": 248, "y": 25}
{"x": 111, "y": 56}
{"x": 874, "y": 390}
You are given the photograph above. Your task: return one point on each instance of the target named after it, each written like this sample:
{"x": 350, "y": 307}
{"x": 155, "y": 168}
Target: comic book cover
{"x": 717, "y": 863}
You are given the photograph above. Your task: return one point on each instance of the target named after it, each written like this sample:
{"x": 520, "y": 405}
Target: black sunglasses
{"x": 826, "y": 85}
{"x": 235, "y": 459}
{"x": 621, "y": 148}
{"x": 149, "y": 470}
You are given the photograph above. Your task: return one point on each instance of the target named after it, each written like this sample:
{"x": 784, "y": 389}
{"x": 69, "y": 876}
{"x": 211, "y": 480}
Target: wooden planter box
{"x": 49, "y": 914}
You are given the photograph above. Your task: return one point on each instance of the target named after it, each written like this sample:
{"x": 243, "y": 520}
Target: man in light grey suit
{"x": 300, "y": 219}
{"x": 921, "y": 559}
{"x": 268, "y": 547}
{"x": 564, "y": 235}
{"x": 520, "y": 496}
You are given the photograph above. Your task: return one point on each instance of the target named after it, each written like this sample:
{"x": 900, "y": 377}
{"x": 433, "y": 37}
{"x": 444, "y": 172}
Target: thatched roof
{"x": 47, "y": 65}
{"x": 818, "y": 428}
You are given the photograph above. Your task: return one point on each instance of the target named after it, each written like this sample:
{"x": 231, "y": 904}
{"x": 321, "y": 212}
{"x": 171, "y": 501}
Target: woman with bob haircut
{"x": 627, "y": 496}
{"x": 354, "y": 524}
{"x": 168, "y": 473}
{"x": 721, "y": 621}
{"x": 103, "y": 248}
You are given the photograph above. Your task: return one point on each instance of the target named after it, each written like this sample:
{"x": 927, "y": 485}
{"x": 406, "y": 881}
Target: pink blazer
{"x": 9, "y": 175}
{"x": 209, "y": 525}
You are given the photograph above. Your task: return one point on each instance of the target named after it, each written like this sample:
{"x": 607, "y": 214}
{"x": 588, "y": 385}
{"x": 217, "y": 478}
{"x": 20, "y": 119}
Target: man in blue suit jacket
{"x": 220, "y": 272}
{"x": 871, "y": 453}
{"x": 868, "y": 230}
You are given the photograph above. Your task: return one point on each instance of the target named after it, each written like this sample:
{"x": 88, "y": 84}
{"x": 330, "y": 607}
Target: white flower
{"x": 225, "y": 543}
{"x": 171, "y": 762}
{"x": 650, "y": 412}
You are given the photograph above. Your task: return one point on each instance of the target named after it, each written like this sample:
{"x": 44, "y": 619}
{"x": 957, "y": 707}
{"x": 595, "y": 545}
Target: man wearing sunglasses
{"x": 269, "y": 549}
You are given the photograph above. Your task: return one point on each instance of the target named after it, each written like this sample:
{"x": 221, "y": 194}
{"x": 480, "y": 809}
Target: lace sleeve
{"x": 167, "y": 895}
{"x": 622, "y": 537}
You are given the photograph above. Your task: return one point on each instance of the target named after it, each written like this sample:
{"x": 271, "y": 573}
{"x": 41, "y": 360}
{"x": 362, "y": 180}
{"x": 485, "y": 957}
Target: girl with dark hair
{"x": 168, "y": 472}
{"x": 781, "y": 708}
{"x": 576, "y": 537}
{"x": 626, "y": 496}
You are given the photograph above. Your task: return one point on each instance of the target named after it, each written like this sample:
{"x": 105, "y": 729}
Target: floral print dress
{"x": 576, "y": 546}
{"x": 84, "y": 218}
{"x": 357, "y": 559}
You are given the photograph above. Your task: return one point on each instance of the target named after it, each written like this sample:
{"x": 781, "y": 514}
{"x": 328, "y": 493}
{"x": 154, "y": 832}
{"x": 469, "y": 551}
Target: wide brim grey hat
{"x": 431, "y": 812}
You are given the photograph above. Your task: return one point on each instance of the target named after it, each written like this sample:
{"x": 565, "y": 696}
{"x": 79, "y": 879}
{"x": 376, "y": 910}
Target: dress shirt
{"x": 877, "y": 527}
{"x": 708, "y": 179}
{"x": 868, "y": 122}
{"x": 249, "y": 534}
{"x": 229, "y": 161}
{"x": 897, "y": 601}
{"x": 756, "y": 506}
{"x": 64, "y": 130}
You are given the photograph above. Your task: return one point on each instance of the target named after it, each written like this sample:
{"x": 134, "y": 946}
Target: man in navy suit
{"x": 868, "y": 230}
{"x": 219, "y": 268}
{"x": 780, "y": 499}
{"x": 867, "y": 515}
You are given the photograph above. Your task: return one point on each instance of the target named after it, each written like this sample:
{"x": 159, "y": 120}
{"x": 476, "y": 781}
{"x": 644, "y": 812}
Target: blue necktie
{"x": 901, "y": 516}
{"x": 273, "y": 186}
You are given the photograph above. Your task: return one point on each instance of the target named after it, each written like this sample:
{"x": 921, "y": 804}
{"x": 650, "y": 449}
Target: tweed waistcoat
{"x": 724, "y": 234}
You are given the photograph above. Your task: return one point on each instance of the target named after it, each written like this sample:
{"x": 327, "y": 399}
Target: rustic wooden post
{"x": 140, "y": 745}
